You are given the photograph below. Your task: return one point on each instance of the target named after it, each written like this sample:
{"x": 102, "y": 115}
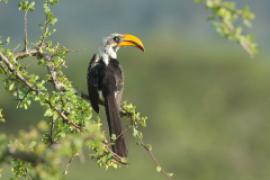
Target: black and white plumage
{"x": 105, "y": 81}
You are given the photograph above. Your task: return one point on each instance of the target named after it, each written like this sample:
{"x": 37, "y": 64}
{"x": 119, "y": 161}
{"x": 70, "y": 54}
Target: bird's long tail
{"x": 113, "y": 117}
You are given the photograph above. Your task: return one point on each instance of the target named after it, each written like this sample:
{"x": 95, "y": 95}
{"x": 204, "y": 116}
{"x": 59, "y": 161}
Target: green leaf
{"x": 11, "y": 86}
{"x": 2, "y": 119}
{"x": 158, "y": 169}
{"x": 25, "y": 5}
{"x": 7, "y": 40}
{"x": 227, "y": 18}
{"x": 113, "y": 137}
{"x": 53, "y": 2}
{"x": 31, "y": 6}
{"x": 48, "y": 113}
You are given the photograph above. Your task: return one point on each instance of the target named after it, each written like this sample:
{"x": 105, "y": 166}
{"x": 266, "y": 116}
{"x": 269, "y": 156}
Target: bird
{"x": 105, "y": 80}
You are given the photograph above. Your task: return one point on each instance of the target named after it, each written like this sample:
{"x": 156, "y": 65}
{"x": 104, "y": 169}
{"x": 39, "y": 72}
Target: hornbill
{"x": 106, "y": 84}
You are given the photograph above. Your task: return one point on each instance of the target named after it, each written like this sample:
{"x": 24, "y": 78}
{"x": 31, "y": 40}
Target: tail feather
{"x": 113, "y": 118}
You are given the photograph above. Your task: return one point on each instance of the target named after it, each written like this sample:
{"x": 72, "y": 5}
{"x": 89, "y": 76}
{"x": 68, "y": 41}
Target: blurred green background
{"x": 208, "y": 102}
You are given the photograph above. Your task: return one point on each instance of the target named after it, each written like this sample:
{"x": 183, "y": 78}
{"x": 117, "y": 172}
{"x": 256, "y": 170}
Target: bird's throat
{"x": 108, "y": 53}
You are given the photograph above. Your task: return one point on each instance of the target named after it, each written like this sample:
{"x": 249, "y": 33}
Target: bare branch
{"x": 28, "y": 53}
{"x": 25, "y": 31}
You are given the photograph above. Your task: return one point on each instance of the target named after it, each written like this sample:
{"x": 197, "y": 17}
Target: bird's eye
{"x": 116, "y": 39}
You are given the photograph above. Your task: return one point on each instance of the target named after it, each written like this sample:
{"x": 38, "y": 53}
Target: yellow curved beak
{"x": 131, "y": 40}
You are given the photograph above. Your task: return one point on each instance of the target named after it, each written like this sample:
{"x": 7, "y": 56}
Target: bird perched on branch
{"x": 106, "y": 84}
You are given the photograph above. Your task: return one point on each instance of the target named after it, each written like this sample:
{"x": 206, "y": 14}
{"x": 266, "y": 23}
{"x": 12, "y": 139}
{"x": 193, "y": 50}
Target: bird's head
{"x": 112, "y": 43}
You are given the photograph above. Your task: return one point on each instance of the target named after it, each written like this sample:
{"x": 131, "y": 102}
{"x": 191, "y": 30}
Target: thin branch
{"x": 68, "y": 164}
{"x": 20, "y": 100}
{"x": 243, "y": 42}
{"x": 155, "y": 160}
{"x": 45, "y": 30}
{"x": 25, "y": 31}
{"x": 63, "y": 115}
{"x": 30, "y": 86}
{"x": 57, "y": 84}
{"x": 115, "y": 156}
{"x": 37, "y": 52}
{"x": 18, "y": 74}
{"x": 51, "y": 138}
{"x": 148, "y": 150}
{"x": 28, "y": 53}
{"x": 107, "y": 145}
{"x": 66, "y": 119}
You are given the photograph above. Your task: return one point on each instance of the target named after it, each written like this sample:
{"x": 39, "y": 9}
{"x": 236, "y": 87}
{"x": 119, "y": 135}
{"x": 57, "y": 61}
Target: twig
{"x": 36, "y": 52}
{"x": 23, "y": 54}
{"x": 51, "y": 139}
{"x": 149, "y": 151}
{"x": 57, "y": 84}
{"x": 25, "y": 31}
{"x": 20, "y": 100}
{"x": 64, "y": 117}
{"x": 115, "y": 156}
{"x": 155, "y": 160}
{"x": 18, "y": 74}
{"x": 68, "y": 164}
{"x": 45, "y": 30}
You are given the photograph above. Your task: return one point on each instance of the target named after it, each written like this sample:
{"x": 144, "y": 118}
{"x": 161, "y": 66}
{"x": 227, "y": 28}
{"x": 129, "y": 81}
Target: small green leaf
{"x": 158, "y": 169}
{"x": 149, "y": 147}
{"x": 31, "y": 6}
{"x": 25, "y": 5}
{"x": 2, "y": 119}
{"x": 48, "y": 113}
{"x": 11, "y": 86}
{"x": 7, "y": 40}
{"x": 113, "y": 137}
